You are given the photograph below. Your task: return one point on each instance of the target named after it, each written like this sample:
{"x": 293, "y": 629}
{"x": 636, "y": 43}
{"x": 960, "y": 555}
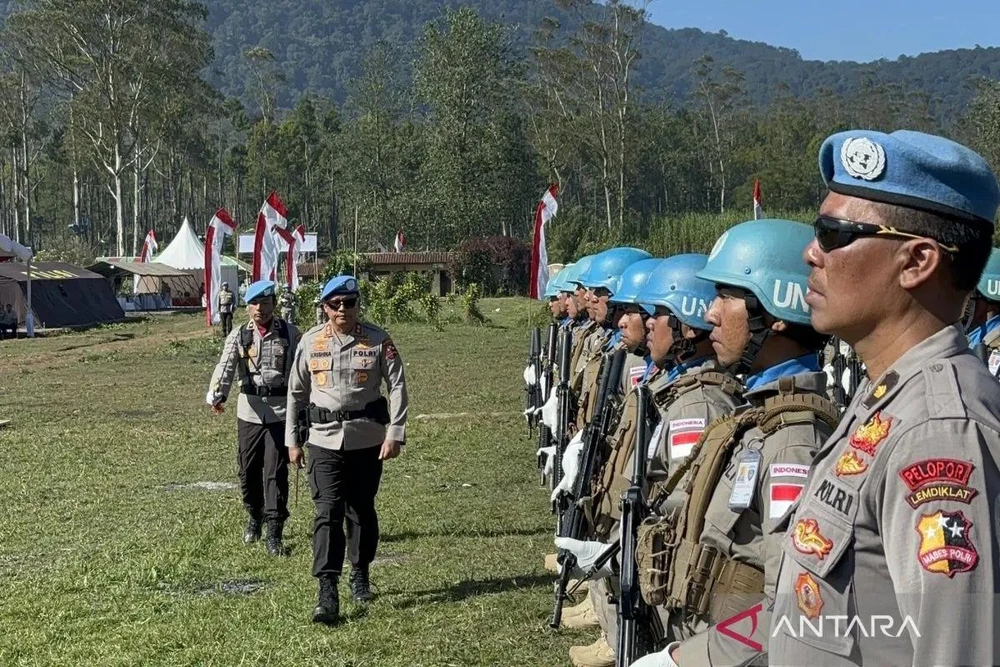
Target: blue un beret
{"x": 259, "y": 289}
{"x": 339, "y": 285}
{"x": 912, "y": 169}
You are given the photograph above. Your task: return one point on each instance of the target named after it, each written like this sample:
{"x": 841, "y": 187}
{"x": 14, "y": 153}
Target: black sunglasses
{"x": 347, "y": 304}
{"x": 833, "y": 233}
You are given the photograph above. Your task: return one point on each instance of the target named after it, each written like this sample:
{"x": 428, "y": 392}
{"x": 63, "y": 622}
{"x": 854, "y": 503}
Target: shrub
{"x": 498, "y": 265}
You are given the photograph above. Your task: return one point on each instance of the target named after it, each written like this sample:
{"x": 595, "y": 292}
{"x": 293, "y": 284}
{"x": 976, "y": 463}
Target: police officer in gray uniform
{"x": 258, "y": 354}
{"x": 336, "y": 379}
{"x": 890, "y": 557}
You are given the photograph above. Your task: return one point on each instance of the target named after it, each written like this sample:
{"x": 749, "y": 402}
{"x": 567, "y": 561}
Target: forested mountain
{"x": 319, "y": 45}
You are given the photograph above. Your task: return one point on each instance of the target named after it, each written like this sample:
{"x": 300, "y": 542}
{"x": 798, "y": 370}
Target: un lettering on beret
{"x": 912, "y": 169}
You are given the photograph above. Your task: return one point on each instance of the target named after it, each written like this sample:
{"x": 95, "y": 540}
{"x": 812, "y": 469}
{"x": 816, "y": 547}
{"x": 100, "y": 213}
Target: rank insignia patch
{"x": 887, "y": 383}
{"x": 807, "y": 595}
{"x": 938, "y": 479}
{"x": 850, "y": 464}
{"x": 869, "y": 435}
{"x": 320, "y": 379}
{"x": 945, "y": 545}
{"x": 807, "y": 539}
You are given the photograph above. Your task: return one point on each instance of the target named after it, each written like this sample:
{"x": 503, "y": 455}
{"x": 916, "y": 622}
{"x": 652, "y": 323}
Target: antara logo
{"x": 691, "y": 306}
{"x": 790, "y": 295}
{"x": 845, "y": 626}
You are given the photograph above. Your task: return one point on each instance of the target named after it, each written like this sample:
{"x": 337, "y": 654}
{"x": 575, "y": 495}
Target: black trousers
{"x": 263, "y": 461}
{"x": 344, "y": 483}
{"x": 227, "y": 323}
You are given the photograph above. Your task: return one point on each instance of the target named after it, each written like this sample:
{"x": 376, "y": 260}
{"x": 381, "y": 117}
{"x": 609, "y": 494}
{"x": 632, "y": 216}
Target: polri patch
{"x": 807, "y": 539}
{"x": 938, "y": 479}
{"x": 945, "y": 544}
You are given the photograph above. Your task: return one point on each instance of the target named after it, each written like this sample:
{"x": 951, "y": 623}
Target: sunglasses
{"x": 833, "y": 233}
{"x": 346, "y": 304}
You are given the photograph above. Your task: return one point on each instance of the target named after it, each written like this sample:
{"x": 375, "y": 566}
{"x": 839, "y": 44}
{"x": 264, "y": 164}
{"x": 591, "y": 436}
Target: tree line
{"x": 108, "y": 128}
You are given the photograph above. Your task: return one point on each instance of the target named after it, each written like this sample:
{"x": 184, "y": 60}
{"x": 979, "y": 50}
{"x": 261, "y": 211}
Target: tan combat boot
{"x": 581, "y": 617}
{"x": 598, "y": 654}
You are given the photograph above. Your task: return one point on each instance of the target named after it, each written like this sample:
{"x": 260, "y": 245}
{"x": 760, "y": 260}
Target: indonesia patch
{"x": 635, "y": 375}
{"x": 789, "y": 470}
{"x": 783, "y": 496}
{"x": 684, "y": 433}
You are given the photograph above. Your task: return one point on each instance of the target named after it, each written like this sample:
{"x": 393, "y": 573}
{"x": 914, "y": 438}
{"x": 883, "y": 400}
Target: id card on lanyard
{"x": 745, "y": 483}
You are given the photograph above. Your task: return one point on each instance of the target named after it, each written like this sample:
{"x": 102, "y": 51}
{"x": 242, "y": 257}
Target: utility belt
{"x": 377, "y": 411}
{"x": 250, "y": 389}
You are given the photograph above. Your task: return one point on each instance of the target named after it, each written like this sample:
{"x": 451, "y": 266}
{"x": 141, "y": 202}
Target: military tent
{"x": 63, "y": 295}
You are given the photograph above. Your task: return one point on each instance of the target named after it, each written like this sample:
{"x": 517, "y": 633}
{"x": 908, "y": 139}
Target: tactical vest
{"x": 590, "y": 379}
{"x": 616, "y": 475}
{"x": 246, "y": 342}
{"x": 675, "y": 569}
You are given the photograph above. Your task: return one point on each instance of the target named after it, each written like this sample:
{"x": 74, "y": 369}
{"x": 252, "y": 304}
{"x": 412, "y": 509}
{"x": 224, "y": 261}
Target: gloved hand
{"x": 530, "y": 376}
{"x": 661, "y": 659}
{"x": 570, "y": 465}
{"x": 549, "y": 452}
{"x": 587, "y": 553}
{"x": 550, "y": 412}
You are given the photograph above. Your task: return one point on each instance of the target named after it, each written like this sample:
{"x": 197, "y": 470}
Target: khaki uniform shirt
{"x": 747, "y": 535}
{"x": 633, "y": 370}
{"x": 891, "y": 556}
{"x": 345, "y": 372}
{"x": 682, "y": 421}
{"x": 226, "y": 301}
{"x": 267, "y": 368}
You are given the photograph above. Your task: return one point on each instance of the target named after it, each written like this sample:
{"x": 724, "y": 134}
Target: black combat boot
{"x": 328, "y": 607}
{"x": 274, "y": 531}
{"x": 252, "y": 532}
{"x": 360, "y": 585}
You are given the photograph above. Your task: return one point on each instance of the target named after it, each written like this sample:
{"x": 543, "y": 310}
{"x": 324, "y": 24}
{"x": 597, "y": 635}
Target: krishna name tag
{"x": 745, "y": 483}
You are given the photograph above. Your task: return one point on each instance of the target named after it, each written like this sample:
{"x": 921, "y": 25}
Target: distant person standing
{"x": 227, "y": 303}
{"x": 259, "y": 355}
{"x": 8, "y": 322}
{"x": 287, "y": 305}
{"x": 336, "y": 379}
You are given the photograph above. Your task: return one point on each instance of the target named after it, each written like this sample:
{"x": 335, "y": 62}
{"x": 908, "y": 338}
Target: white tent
{"x": 187, "y": 253}
{"x": 8, "y": 245}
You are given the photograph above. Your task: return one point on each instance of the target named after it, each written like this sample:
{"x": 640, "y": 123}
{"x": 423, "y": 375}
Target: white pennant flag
{"x": 219, "y": 228}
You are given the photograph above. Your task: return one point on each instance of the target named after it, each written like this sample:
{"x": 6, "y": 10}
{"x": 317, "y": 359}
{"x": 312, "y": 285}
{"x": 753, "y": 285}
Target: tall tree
{"x": 117, "y": 58}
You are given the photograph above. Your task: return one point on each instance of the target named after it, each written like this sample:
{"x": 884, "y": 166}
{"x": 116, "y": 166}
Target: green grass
{"x": 102, "y": 563}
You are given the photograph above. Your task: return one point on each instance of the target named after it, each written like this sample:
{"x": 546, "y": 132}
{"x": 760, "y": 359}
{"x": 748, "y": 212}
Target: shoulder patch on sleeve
{"x": 783, "y": 496}
{"x": 946, "y": 543}
{"x": 390, "y": 349}
{"x": 683, "y": 434}
{"x": 789, "y": 470}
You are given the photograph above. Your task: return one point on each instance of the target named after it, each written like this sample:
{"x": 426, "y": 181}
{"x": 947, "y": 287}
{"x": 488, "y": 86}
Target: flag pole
{"x": 356, "y": 213}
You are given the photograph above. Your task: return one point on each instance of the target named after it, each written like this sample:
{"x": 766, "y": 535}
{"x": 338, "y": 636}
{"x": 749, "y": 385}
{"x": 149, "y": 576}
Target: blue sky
{"x": 843, "y": 29}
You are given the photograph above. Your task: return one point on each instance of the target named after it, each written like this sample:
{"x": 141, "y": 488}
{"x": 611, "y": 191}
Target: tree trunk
{"x": 119, "y": 202}
{"x": 16, "y": 194}
{"x": 135, "y": 202}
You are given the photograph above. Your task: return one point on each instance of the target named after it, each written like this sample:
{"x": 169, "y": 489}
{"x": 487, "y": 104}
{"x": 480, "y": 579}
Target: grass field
{"x": 108, "y": 558}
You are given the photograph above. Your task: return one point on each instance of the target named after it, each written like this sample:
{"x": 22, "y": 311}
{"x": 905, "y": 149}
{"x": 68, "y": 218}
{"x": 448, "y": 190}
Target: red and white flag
{"x": 295, "y": 240}
{"x": 149, "y": 247}
{"x": 547, "y": 209}
{"x": 758, "y": 206}
{"x": 683, "y": 434}
{"x": 273, "y": 214}
{"x": 219, "y": 228}
{"x": 400, "y": 241}
{"x": 783, "y": 496}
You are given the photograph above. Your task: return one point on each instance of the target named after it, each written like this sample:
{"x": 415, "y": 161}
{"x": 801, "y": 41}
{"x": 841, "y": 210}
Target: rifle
{"x": 562, "y": 421}
{"x": 573, "y": 523}
{"x": 544, "y": 434}
{"x": 634, "y": 510}
{"x": 531, "y": 390}
{"x": 839, "y": 366}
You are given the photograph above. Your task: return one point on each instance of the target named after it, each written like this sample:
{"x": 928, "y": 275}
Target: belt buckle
{"x": 342, "y": 416}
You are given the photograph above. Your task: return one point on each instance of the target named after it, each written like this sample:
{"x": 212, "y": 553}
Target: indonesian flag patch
{"x": 684, "y": 433}
{"x": 635, "y": 375}
{"x": 783, "y": 496}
